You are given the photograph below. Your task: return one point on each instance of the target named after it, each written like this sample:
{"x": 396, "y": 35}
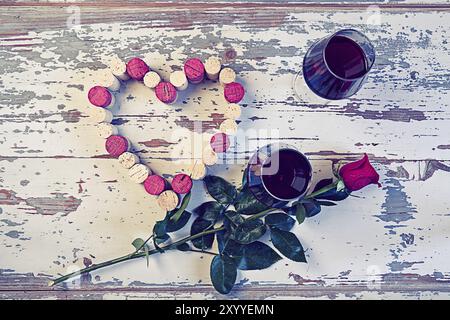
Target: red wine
{"x": 292, "y": 177}
{"x": 335, "y": 67}
{"x": 345, "y": 58}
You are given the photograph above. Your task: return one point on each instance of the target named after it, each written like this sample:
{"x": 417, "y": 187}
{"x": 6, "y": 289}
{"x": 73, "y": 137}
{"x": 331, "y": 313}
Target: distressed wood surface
{"x": 63, "y": 203}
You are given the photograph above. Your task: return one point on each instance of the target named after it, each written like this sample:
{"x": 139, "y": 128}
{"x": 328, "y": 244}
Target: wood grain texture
{"x": 65, "y": 204}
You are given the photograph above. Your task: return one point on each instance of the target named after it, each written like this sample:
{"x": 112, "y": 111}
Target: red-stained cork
{"x": 220, "y": 142}
{"x": 100, "y": 96}
{"x": 116, "y": 145}
{"x": 137, "y": 68}
{"x": 233, "y": 92}
{"x": 155, "y": 184}
{"x": 194, "y": 70}
{"x": 166, "y": 92}
{"x": 181, "y": 183}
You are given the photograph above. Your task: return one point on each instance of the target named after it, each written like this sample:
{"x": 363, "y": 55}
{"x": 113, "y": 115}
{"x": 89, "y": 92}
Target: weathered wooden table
{"x": 63, "y": 203}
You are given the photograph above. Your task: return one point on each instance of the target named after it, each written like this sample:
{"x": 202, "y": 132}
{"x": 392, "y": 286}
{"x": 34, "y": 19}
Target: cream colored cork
{"x": 197, "y": 170}
{"x": 105, "y": 130}
{"x": 108, "y": 80}
{"x": 168, "y": 200}
{"x": 151, "y": 79}
{"x": 212, "y": 68}
{"x": 209, "y": 157}
{"x": 226, "y": 76}
{"x": 128, "y": 159}
{"x": 232, "y": 111}
{"x": 97, "y": 115}
{"x": 228, "y": 126}
{"x": 179, "y": 80}
{"x": 139, "y": 172}
{"x": 118, "y": 68}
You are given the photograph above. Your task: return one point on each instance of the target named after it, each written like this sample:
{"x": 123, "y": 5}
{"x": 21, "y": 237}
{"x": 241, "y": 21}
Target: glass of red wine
{"x": 278, "y": 174}
{"x": 336, "y": 66}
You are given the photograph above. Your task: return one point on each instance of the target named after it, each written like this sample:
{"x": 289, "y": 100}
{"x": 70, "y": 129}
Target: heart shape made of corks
{"x": 102, "y": 98}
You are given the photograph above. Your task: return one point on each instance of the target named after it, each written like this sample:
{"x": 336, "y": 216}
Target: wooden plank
{"x": 265, "y": 3}
{"x": 62, "y": 200}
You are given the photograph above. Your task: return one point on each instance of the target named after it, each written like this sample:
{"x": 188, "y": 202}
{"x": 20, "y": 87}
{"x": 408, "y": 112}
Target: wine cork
{"x": 108, "y": 80}
{"x": 99, "y": 115}
{"x": 137, "y": 68}
{"x": 197, "y": 170}
{"x": 233, "y": 92}
{"x": 232, "y": 111}
{"x": 220, "y": 142}
{"x": 179, "y": 80}
{"x": 168, "y": 200}
{"x": 166, "y": 92}
{"x": 139, "y": 172}
{"x": 155, "y": 184}
{"x": 128, "y": 159}
{"x": 119, "y": 68}
{"x": 226, "y": 76}
{"x": 212, "y": 68}
{"x": 194, "y": 70}
{"x": 105, "y": 130}
{"x": 100, "y": 97}
{"x": 152, "y": 79}
{"x": 116, "y": 145}
{"x": 209, "y": 156}
{"x": 181, "y": 183}
{"x": 228, "y": 126}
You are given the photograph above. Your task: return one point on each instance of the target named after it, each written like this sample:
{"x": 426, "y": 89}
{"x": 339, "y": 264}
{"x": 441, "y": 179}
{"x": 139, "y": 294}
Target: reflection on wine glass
{"x": 336, "y": 66}
{"x": 278, "y": 174}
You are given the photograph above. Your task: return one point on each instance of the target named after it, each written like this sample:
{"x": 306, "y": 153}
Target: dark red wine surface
{"x": 292, "y": 177}
{"x": 345, "y": 58}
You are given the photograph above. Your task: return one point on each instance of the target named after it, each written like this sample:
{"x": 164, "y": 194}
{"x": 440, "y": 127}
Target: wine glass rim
{"x": 283, "y": 146}
{"x": 326, "y": 45}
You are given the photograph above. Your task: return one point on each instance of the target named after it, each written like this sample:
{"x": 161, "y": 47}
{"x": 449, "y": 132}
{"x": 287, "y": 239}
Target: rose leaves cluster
{"x": 238, "y": 221}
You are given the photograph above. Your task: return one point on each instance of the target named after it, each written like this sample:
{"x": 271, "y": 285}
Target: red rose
{"x": 358, "y": 174}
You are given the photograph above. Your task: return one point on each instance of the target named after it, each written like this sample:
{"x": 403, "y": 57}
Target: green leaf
{"x": 183, "y": 247}
{"x": 322, "y": 183}
{"x": 173, "y": 226}
{"x": 288, "y": 244}
{"x": 220, "y": 189}
{"x": 300, "y": 213}
{"x": 177, "y": 213}
{"x": 257, "y": 256}
{"x": 160, "y": 239}
{"x": 159, "y": 229}
{"x": 146, "y": 254}
{"x": 233, "y": 249}
{"x": 325, "y": 203}
{"x": 249, "y": 231}
{"x": 138, "y": 243}
{"x": 210, "y": 210}
{"x": 204, "y": 242}
{"x": 247, "y": 204}
{"x": 223, "y": 274}
{"x": 332, "y": 194}
{"x": 340, "y": 185}
{"x": 280, "y": 220}
{"x": 311, "y": 206}
{"x": 235, "y": 218}
{"x": 223, "y": 237}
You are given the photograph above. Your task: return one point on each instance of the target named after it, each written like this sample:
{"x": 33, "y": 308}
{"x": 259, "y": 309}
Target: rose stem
{"x": 131, "y": 256}
{"x": 322, "y": 190}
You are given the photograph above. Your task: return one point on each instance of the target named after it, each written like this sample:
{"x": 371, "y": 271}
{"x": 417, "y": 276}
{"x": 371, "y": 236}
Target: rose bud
{"x": 358, "y": 174}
